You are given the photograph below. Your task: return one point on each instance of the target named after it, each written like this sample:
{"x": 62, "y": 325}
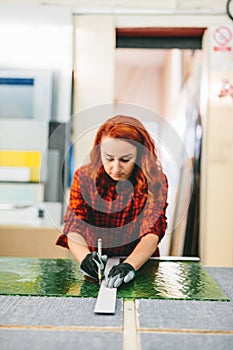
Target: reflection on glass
{"x": 172, "y": 280}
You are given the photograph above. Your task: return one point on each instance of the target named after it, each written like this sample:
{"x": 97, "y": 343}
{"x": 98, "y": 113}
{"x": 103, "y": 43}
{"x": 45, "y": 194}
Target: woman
{"x": 120, "y": 197}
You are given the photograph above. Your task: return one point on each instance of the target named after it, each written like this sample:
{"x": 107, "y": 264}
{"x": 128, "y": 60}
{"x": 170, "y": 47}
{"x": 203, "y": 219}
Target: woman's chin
{"x": 117, "y": 177}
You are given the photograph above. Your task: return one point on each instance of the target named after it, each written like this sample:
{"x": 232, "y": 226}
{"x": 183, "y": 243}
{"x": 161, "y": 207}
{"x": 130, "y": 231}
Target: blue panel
{"x": 16, "y": 81}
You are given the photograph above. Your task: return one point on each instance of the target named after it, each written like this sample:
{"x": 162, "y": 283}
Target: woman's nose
{"x": 116, "y": 165}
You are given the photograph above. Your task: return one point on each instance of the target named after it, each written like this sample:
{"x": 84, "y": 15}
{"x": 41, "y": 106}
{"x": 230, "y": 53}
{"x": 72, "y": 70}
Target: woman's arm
{"x": 77, "y": 213}
{"x": 143, "y": 251}
{"x": 78, "y": 246}
{"x": 149, "y": 242}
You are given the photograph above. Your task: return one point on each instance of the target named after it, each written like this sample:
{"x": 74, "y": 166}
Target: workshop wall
{"x": 93, "y": 64}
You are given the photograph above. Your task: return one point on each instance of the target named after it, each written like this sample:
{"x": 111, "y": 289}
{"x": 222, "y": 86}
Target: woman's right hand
{"x": 92, "y": 263}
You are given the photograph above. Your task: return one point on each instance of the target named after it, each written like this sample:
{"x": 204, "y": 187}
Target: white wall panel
{"x": 40, "y": 37}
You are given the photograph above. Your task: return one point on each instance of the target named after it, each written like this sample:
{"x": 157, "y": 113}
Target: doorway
{"x": 160, "y": 69}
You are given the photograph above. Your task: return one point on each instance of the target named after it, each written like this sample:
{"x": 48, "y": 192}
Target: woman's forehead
{"x": 117, "y": 147}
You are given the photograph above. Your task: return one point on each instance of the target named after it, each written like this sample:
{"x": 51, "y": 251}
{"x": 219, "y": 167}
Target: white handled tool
{"x": 99, "y": 245}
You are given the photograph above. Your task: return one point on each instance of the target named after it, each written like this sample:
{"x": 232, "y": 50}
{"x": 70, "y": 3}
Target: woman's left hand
{"x": 118, "y": 274}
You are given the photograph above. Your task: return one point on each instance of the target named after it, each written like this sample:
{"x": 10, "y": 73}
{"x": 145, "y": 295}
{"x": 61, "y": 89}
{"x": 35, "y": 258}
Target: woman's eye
{"x": 124, "y": 160}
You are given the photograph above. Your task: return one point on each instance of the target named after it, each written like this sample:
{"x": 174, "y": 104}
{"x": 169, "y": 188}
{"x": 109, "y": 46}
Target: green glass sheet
{"x": 62, "y": 277}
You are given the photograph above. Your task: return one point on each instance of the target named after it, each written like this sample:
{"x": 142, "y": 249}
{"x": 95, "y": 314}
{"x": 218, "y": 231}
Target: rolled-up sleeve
{"x": 154, "y": 218}
{"x": 77, "y": 214}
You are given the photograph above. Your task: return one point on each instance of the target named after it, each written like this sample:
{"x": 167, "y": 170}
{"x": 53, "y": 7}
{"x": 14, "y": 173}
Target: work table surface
{"x": 37, "y": 322}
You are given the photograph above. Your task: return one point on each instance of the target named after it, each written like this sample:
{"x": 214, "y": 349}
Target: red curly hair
{"x": 148, "y": 167}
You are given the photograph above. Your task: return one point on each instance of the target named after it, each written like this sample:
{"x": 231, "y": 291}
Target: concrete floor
{"x": 70, "y": 323}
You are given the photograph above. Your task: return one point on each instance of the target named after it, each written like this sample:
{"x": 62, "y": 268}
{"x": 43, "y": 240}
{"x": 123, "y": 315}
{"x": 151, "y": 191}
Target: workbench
{"x": 58, "y": 323}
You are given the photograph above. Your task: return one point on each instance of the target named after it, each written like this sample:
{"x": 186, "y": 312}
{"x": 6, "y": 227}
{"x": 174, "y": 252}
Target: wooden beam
{"x": 160, "y": 32}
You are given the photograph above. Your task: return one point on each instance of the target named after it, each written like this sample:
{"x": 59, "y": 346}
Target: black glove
{"x": 118, "y": 274}
{"x": 92, "y": 263}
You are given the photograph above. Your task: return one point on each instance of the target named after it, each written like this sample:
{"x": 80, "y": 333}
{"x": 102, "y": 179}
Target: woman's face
{"x": 118, "y": 157}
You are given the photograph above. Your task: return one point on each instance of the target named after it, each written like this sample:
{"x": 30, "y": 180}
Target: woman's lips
{"x": 117, "y": 175}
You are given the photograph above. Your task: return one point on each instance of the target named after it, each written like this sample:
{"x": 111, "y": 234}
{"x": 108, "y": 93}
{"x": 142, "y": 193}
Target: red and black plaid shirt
{"x": 112, "y": 211}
